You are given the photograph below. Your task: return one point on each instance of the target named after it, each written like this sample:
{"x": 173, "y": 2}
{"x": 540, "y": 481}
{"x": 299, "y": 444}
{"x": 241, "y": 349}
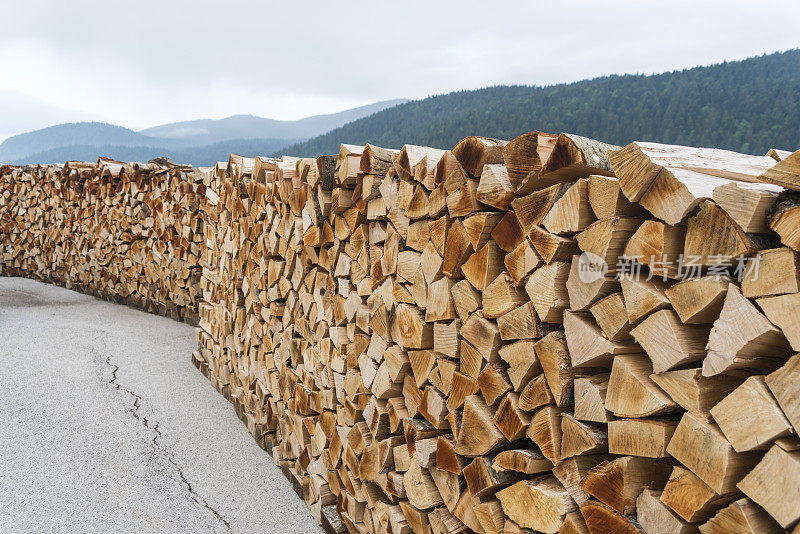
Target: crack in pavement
{"x": 159, "y": 447}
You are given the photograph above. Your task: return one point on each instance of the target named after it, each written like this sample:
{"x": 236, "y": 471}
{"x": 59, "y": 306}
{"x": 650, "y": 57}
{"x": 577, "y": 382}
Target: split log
{"x": 743, "y": 339}
{"x": 540, "y": 504}
{"x": 524, "y": 157}
{"x": 750, "y": 417}
{"x": 714, "y": 238}
{"x": 691, "y": 498}
{"x": 576, "y": 157}
{"x": 741, "y": 516}
{"x": 656, "y": 518}
{"x": 702, "y": 447}
{"x": 783, "y": 219}
{"x": 618, "y": 482}
{"x": 774, "y": 483}
{"x": 474, "y": 152}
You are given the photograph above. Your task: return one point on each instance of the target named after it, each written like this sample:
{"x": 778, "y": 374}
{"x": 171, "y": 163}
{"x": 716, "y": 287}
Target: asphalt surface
{"x": 105, "y": 426}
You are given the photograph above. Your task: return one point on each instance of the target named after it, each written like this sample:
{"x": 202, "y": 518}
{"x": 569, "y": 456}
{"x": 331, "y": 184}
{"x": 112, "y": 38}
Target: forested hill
{"x": 748, "y": 106}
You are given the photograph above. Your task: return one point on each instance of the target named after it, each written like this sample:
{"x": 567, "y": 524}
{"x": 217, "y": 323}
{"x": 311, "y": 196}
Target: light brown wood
{"x": 741, "y": 516}
{"x": 659, "y": 246}
{"x": 524, "y": 157}
{"x": 617, "y": 483}
{"x": 576, "y": 157}
{"x": 694, "y": 392}
{"x": 540, "y": 504}
{"x": 786, "y": 172}
{"x": 773, "y": 485}
{"x": 702, "y": 447}
{"x": 601, "y": 519}
{"x": 743, "y": 339}
{"x": 474, "y": 152}
{"x": 698, "y": 300}
{"x": 750, "y": 416}
{"x": 641, "y": 437}
{"x": 631, "y": 391}
{"x": 691, "y": 498}
{"x": 656, "y": 518}
{"x": 783, "y": 386}
{"x": 668, "y": 342}
{"x": 714, "y": 238}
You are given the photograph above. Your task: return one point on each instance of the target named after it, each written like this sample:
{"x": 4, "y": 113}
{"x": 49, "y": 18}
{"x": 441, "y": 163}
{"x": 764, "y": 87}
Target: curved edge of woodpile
{"x": 548, "y": 334}
{"x": 129, "y": 233}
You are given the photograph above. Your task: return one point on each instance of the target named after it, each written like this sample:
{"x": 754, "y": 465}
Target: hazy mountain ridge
{"x": 748, "y": 106}
{"x": 202, "y": 139}
{"x": 201, "y": 156}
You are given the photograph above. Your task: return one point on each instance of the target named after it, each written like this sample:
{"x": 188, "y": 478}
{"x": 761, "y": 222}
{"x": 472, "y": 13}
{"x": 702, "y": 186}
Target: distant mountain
{"x": 75, "y": 134}
{"x": 201, "y": 156}
{"x": 200, "y": 140}
{"x": 252, "y": 127}
{"x": 748, "y": 106}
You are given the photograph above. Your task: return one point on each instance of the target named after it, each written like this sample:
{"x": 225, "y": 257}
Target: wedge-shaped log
{"x": 590, "y": 398}
{"x": 691, "y": 498}
{"x": 474, "y": 152}
{"x": 619, "y": 482}
{"x": 785, "y": 173}
{"x": 570, "y": 213}
{"x": 702, "y": 447}
{"x": 527, "y": 461}
{"x": 576, "y": 157}
{"x": 478, "y": 434}
{"x": 641, "y": 437}
{"x": 784, "y": 217}
{"x": 495, "y": 187}
{"x": 774, "y": 484}
{"x": 601, "y": 519}
{"x": 545, "y": 431}
{"x": 579, "y": 438}
{"x": 783, "y": 385}
{"x": 773, "y": 272}
{"x": 612, "y": 317}
{"x": 668, "y": 342}
{"x": 742, "y": 516}
{"x": 587, "y": 345}
{"x": 698, "y": 300}
{"x": 539, "y": 504}
{"x": 524, "y": 157}
{"x": 643, "y": 297}
{"x": 750, "y": 417}
{"x": 547, "y": 290}
{"x": 694, "y": 392}
{"x": 743, "y": 339}
{"x": 532, "y": 208}
{"x": 639, "y": 164}
{"x": 714, "y": 238}
{"x": 607, "y": 200}
{"x": 553, "y": 356}
{"x": 659, "y": 246}
{"x": 657, "y": 518}
{"x": 747, "y": 204}
{"x": 631, "y": 391}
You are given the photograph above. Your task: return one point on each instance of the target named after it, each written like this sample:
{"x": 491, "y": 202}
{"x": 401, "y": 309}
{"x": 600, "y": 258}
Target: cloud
{"x": 149, "y": 62}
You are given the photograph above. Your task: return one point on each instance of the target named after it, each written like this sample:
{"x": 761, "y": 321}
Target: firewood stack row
{"x": 128, "y": 233}
{"x": 549, "y": 334}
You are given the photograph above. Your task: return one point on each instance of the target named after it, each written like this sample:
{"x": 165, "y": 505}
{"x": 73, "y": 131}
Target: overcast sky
{"x": 139, "y": 63}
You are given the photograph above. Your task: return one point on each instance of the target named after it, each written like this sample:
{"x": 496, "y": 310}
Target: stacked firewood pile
{"x": 129, "y": 233}
{"x": 549, "y": 334}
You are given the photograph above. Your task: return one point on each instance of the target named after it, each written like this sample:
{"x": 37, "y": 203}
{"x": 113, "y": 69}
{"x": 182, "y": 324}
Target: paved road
{"x": 105, "y": 426}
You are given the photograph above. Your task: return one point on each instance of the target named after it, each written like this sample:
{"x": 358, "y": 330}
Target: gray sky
{"x": 139, "y": 63}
